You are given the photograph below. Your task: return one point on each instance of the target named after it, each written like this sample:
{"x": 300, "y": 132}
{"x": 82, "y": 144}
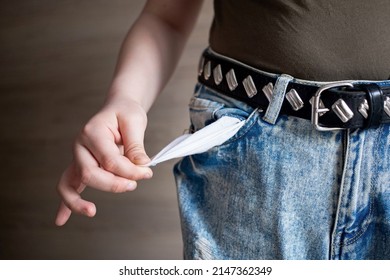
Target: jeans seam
{"x": 360, "y": 233}
{"x": 357, "y": 235}
{"x": 364, "y": 228}
{"x": 370, "y": 213}
{"x": 335, "y": 235}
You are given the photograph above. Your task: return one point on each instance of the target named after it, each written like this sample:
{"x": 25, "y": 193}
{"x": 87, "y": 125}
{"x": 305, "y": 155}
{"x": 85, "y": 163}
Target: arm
{"x": 152, "y": 49}
{"x": 109, "y": 150}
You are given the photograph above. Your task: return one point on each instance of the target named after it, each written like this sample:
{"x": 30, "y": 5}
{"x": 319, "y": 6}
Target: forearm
{"x": 149, "y": 55}
{"x": 109, "y": 153}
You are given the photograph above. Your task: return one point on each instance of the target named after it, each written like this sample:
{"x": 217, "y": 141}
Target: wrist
{"x": 123, "y": 92}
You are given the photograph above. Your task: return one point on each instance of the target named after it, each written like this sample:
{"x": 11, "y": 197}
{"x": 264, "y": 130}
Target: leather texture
{"x": 373, "y": 93}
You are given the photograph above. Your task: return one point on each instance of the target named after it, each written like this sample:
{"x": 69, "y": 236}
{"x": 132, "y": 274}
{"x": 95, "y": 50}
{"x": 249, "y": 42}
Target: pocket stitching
{"x": 244, "y": 130}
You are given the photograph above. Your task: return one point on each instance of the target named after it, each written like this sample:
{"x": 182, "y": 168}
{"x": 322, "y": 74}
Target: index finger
{"x": 69, "y": 188}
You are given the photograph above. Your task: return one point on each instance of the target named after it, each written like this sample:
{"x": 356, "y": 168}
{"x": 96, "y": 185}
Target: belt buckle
{"x": 316, "y": 110}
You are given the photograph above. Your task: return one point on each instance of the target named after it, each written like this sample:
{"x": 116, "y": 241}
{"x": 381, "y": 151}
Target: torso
{"x": 319, "y": 40}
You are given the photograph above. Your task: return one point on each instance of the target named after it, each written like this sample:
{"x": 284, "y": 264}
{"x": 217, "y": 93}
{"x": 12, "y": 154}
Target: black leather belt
{"x": 330, "y": 106}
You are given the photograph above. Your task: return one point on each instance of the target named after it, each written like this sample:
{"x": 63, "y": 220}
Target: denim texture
{"x": 283, "y": 190}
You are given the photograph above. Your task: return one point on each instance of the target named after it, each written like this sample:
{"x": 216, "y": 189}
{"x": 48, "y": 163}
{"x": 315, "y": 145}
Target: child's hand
{"x": 109, "y": 151}
{"x": 106, "y": 157}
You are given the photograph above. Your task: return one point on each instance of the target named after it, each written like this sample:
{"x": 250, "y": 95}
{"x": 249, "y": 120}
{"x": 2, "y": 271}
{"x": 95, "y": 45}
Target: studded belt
{"x": 329, "y": 105}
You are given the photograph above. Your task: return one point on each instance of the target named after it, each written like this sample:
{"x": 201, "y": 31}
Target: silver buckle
{"x": 316, "y": 110}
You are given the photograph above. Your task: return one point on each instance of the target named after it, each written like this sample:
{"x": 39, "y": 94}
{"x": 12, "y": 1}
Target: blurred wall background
{"x": 56, "y": 63}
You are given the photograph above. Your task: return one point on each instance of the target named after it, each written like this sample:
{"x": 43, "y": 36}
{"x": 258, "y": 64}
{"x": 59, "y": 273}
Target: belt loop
{"x": 375, "y": 102}
{"x": 276, "y": 102}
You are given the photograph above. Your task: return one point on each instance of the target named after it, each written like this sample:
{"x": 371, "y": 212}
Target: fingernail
{"x": 148, "y": 175}
{"x": 141, "y": 159}
{"x": 131, "y": 186}
{"x": 86, "y": 211}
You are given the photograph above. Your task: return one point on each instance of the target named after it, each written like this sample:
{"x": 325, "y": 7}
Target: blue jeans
{"x": 284, "y": 191}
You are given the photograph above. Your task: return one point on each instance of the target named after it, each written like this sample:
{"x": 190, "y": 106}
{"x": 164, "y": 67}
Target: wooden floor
{"x": 57, "y": 59}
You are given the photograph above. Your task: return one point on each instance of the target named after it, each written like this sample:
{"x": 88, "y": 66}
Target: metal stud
{"x": 321, "y": 107}
{"x": 200, "y": 66}
{"x": 207, "y": 70}
{"x": 342, "y": 110}
{"x": 231, "y": 80}
{"x": 363, "y": 109}
{"x": 387, "y": 106}
{"x": 294, "y": 99}
{"x": 268, "y": 89}
{"x": 217, "y": 72}
{"x": 249, "y": 86}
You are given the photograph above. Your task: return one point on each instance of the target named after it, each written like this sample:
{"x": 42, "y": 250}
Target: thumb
{"x": 133, "y": 132}
{"x": 135, "y": 151}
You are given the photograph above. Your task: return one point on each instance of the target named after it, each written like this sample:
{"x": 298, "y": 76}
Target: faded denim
{"x": 284, "y": 190}
{"x": 279, "y": 189}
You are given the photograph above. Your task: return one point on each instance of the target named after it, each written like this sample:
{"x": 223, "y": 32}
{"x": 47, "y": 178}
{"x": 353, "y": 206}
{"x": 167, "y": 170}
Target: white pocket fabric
{"x": 201, "y": 141}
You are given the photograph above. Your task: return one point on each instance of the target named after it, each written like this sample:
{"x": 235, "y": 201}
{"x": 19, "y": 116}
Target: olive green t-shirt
{"x": 309, "y": 39}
